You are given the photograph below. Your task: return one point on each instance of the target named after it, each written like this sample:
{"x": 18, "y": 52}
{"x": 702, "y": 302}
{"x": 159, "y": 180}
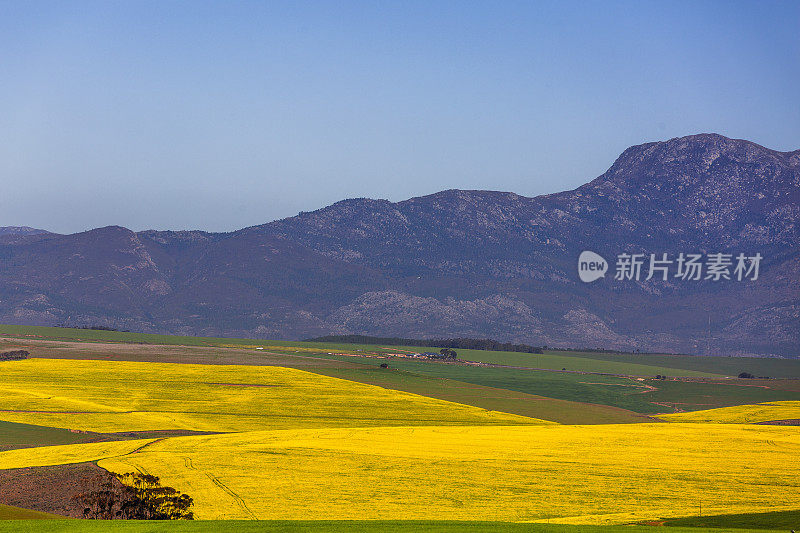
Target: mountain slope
{"x": 20, "y": 230}
{"x": 458, "y": 263}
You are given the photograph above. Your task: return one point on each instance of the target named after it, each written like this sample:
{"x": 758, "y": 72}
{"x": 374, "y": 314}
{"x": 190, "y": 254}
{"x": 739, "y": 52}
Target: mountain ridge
{"x": 21, "y": 230}
{"x": 456, "y": 263}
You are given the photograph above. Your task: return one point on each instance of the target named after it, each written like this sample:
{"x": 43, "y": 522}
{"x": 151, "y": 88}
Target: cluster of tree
{"x": 134, "y": 496}
{"x": 447, "y": 353}
{"x": 459, "y": 343}
{"x": 14, "y": 355}
{"x": 748, "y": 375}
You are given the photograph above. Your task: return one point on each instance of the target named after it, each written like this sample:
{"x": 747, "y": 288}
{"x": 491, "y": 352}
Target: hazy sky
{"x": 183, "y": 115}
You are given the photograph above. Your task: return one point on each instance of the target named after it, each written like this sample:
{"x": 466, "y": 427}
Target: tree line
{"x": 97, "y": 328}
{"x": 457, "y": 343}
{"x": 14, "y": 355}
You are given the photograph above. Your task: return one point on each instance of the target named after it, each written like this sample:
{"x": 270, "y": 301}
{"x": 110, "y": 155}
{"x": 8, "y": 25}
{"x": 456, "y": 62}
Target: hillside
{"x": 457, "y": 264}
{"x": 20, "y": 230}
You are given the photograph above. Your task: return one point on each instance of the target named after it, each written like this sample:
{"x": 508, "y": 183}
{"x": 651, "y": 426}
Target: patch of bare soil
{"x": 52, "y": 489}
{"x": 151, "y": 434}
{"x": 789, "y": 422}
{"x": 171, "y": 353}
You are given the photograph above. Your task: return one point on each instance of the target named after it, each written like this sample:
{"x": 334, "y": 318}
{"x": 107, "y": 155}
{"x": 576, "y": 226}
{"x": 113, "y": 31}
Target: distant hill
{"x": 20, "y": 230}
{"x": 477, "y": 264}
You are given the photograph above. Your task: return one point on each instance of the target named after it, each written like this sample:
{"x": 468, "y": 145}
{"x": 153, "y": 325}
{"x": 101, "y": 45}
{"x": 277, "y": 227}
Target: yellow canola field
{"x": 117, "y": 396}
{"x": 570, "y": 474}
{"x": 741, "y": 414}
{"x": 68, "y": 453}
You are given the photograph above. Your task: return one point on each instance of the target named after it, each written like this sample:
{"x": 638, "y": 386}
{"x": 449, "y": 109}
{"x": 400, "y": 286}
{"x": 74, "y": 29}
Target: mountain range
{"x": 458, "y": 263}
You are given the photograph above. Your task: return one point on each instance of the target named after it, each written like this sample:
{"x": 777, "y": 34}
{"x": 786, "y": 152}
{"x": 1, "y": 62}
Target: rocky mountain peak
{"x": 21, "y": 230}
{"x": 457, "y": 263}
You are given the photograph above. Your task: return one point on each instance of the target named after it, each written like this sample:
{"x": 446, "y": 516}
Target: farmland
{"x": 558, "y": 473}
{"x": 106, "y": 396}
{"x": 785, "y": 520}
{"x": 640, "y": 395}
{"x": 68, "y": 453}
{"x": 297, "y": 431}
{"x": 742, "y": 414}
{"x": 15, "y": 435}
{"x": 612, "y": 363}
{"x": 8, "y": 512}
{"x": 613, "y": 398}
{"x": 550, "y": 473}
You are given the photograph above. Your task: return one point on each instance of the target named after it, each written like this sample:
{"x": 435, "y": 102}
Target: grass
{"x": 574, "y": 397}
{"x": 16, "y": 435}
{"x": 362, "y": 370}
{"x": 7, "y": 512}
{"x": 729, "y": 366}
{"x": 629, "y": 364}
{"x": 494, "y": 398}
{"x": 709, "y": 394}
{"x": 327, "y": 526}
{"x": 579, "y": 363}
{"x": 624, "y": 397}
{"x": 783, "y": 520}
{"x": 620, "y": 392}
{"x": 609, "y": 474}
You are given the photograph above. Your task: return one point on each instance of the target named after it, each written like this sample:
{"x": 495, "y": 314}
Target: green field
{"x": 729, "y": 366}
{"x": 620, "y": 392}
{"x": 573, "y": 361}
{"x": 781, "y": 520}
{"x": 610, "y": 398}
{"x": 240, "y": 526}
{"x": 573, "y": 388}
{"x": 9, "y": 514}
{"x": 359, "y": 369}
{"x": 611, "y": 363}
{"x": 480, "y": 394}
{"x": 14, "y": 435}
{"x": 604, "y": 390}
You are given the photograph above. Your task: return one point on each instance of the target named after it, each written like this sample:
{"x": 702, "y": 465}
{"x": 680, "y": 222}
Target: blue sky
{"x": 220, "y": 115}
